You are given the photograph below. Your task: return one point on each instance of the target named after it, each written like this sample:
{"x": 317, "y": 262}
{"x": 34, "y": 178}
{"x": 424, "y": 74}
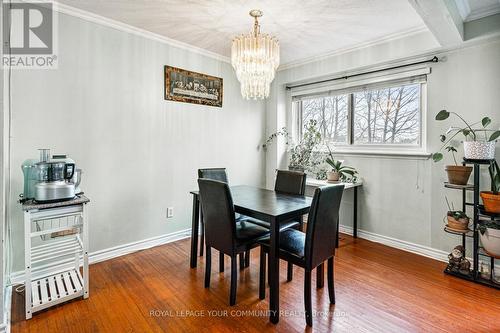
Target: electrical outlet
{"x": 170, "y": 212}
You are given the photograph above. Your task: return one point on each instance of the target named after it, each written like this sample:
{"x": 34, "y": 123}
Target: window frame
{"x": 350, "y": 147}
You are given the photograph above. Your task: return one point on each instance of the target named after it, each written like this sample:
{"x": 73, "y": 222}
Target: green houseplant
{"x": 477, "y": 145}
{"x": 489, "y": 230}
{"x": 456, "y": 219}
{"x": 339, "y": 171}
{"x": 491, "y": 199}
{"x": 301, "y": 154}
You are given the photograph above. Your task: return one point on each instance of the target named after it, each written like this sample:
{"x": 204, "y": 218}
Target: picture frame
{"x": 186, "y": 86}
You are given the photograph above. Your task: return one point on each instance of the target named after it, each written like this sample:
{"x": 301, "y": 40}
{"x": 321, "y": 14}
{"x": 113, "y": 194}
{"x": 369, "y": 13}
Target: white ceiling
{"x": 304, "y": 28}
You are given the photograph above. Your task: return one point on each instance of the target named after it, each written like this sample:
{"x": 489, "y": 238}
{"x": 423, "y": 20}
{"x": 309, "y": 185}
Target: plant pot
{"x": 491, "y": 242}
{"x": 296, "y": 168}
{"x": 479, "y": 150}
{"x": 333, "y": 176}
{"x": 458, "y": 174}
{"x": 460, "y": 224}
{"x": 491, "y": 202}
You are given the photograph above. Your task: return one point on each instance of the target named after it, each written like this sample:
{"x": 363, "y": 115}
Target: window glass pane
{"x": 330, "y": 113}
{"x": 387, "y": 116}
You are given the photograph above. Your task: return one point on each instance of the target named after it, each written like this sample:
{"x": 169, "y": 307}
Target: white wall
{"x": 403, "y": 198}
{"x": 104, "y": 107}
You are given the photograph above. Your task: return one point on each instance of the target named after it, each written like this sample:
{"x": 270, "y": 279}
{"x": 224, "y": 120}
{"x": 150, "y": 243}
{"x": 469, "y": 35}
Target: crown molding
{"x": 463, "y": 8}
{"x": 385, "y": 39}
{"x": 114, "y": 24}
{"x": 483, "y": 12}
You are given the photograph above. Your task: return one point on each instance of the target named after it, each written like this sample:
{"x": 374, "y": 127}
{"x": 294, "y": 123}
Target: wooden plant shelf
{"x": 467, "y": 233}
{"x": 478, "y": 214}
{"x": 469, "y": 187}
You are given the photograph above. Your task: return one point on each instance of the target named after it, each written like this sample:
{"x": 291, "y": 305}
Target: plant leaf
{"x": 442, "y": 115}
{"x": 442, "y": 138}
{"x": 465, "y": 131}
{"x": 485, "y": 121}
{"x": 494, "y": 136}
{"x": 436, "y": 157}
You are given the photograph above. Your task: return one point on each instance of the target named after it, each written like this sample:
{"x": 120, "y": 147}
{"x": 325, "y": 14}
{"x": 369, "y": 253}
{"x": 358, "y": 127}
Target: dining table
{"x": 266, "y": 205}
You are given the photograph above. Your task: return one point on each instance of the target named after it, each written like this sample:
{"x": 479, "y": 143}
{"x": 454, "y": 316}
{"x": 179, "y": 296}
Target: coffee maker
{"x": 50, "y": 179}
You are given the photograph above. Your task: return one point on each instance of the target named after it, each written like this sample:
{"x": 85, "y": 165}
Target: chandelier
{"x": 255, "y": 58}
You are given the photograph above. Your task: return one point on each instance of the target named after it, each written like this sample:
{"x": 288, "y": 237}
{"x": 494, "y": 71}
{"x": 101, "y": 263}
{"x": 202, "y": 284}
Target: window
{"x": 330, "y": 114}
{"x": 382, "y": 115}
{"x": 387, "y": 116}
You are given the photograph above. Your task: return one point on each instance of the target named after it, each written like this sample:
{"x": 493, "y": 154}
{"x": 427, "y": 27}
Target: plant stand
{"x": 478, "y": 214}
{"x": 55, "y": 234}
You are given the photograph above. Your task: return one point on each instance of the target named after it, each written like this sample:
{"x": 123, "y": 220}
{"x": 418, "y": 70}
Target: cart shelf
{"x": 55, "y": 234}
{"x": 56, "y": 289}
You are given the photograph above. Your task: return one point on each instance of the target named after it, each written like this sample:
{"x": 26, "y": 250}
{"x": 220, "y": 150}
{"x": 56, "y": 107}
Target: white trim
{"x": 483, "y": 12}
{"x": 398, "y": 244}
{"x": 104, "y": 21}
{"x": 463, "y": 8}
{"x": 105, "y": 254}
{"x": 416, "y": 56}
{"x": 402, "y": 34}
{"x": 406, "y": 154}
{"x": 7, "y": 303}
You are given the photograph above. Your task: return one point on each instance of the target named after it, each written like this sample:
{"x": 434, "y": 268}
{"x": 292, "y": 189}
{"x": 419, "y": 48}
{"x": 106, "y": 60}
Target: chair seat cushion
{"x": 291, "y": 241}
{"x": 283, "y": 225}
{"x": 247, "y": 230}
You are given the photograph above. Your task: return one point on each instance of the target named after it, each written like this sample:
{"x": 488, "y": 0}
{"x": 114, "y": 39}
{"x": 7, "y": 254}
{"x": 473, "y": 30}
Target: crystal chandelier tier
{"x": 255, "y": 58}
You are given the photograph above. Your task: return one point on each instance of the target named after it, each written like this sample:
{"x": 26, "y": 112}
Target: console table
{"x": 354, "y": 186}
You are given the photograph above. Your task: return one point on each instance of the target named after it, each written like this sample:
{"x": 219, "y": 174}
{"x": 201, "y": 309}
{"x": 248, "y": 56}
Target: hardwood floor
{"x": 378, "y": 289}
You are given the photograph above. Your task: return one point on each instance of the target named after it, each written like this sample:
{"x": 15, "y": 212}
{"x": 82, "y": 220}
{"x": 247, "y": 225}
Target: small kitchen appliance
{"x": 50, "y": 180}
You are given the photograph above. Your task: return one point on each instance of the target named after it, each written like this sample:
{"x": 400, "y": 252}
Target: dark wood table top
{"x": 267, "y": 204}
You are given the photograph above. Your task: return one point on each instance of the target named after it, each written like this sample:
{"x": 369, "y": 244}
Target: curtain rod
{"x": 434, "y": 59}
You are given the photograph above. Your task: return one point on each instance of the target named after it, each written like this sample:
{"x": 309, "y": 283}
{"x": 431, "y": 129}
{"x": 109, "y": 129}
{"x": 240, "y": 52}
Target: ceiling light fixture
{"x": 255, "y": 58}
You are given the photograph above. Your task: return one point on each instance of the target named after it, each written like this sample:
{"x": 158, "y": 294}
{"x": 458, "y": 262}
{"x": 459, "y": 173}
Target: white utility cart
{"x": 55, "y": 242}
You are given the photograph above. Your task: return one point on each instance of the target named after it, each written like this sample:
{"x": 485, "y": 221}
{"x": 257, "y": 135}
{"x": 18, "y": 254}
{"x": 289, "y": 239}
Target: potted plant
{"x": 339, "y": 171}
{"x": 456, "y": 219}
{"x": 476, "y": 146}
{"x": 457, "y": 174}
{"x": 489, "y": 233}
{"x": 491, "y": 199}
{"x": 301, "y": 154}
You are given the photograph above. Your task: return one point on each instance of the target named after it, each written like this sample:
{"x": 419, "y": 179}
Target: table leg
{"x": 194, "y": 230}
{"x": 355, "y": 214}
{"x": 274, "y": 273}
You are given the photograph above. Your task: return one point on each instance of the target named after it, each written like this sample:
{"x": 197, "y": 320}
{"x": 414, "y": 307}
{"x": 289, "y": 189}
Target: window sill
{"x": 418, "y": 155}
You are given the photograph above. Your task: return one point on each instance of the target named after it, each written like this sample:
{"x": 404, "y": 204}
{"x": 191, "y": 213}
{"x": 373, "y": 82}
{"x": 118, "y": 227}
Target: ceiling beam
{"x": 443, "y": 19}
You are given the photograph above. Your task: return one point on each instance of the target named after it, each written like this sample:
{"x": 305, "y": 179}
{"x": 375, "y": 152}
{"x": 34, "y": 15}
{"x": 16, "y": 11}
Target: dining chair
{"x": 219, "y": 174}
{"x": 311, "y": 249}
{"x": 289, "y": 182}
{"x": 222, "y": 232}
{"x": 215, "y": 174}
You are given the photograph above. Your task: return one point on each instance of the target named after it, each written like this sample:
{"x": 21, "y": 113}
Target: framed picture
{"x": 190, "y": 87}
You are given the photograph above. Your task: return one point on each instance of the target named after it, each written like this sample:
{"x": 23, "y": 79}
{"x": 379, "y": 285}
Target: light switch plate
{"x": 170, "y": 212}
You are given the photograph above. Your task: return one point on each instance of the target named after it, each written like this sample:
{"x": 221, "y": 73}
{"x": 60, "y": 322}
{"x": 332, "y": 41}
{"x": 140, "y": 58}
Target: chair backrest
{"x": 292, "y": 182}
{"x": 213, "y": 173}
{"x": 322, "y": 224}
{"x": 218, "y": 214}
